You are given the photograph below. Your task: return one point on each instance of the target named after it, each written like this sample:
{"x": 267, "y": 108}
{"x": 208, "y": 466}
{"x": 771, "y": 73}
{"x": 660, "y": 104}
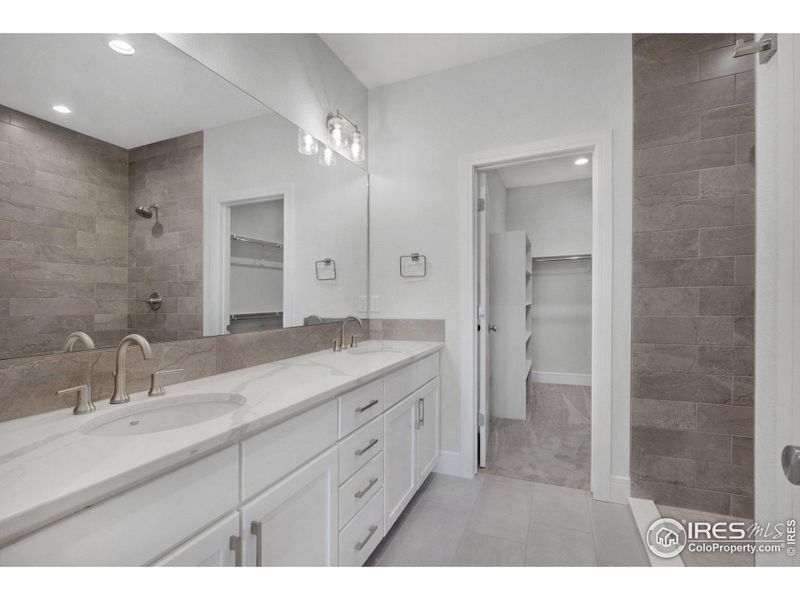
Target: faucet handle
{"x": 337, "y": 345}
{"x": 84, "y": 405}
{"x": 354, "y": 340}
{"x": 157, "y": 382}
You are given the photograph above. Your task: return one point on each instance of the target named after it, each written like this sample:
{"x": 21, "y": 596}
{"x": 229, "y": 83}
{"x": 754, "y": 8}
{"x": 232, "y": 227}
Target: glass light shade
{"x": 327, "y": 157}
{"x": 306, "y": 144}
{"x": 357, "y": 146}
{"x": 336, "y": 132}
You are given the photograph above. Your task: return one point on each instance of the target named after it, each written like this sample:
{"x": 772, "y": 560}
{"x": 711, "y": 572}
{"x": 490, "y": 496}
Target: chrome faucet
{"x": 341, "y": 335}
{"x": 120, "y": 395}
{"x": 75, "y": 336}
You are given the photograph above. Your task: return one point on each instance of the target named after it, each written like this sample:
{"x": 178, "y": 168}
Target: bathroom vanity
{"x": 303, "y": 461}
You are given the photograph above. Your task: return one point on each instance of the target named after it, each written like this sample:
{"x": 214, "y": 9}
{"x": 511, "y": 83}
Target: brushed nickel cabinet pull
{"x": 362, "y": 543}
{"x": 367, "y": 406}
{"x": 421, "y": 411}
{"x": 360, "y": 493}
{"x": 236, "y": 545}
{"x": 372, "y": 442}
{"x": 255, "y": 529}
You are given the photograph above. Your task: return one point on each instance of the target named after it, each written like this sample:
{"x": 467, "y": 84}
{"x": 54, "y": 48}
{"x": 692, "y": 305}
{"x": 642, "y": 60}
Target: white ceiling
{"x": 381, "y": 58}
{"x": 550, "y": 170}
{"x": 155, "y": 94}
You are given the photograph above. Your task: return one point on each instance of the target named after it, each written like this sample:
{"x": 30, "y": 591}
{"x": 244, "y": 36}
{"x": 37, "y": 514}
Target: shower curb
{"x": 644, "y": 513}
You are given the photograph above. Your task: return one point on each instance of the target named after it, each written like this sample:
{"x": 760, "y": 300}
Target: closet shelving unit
{"x": 260, "y": 254}
{"x": 511, "y": 301}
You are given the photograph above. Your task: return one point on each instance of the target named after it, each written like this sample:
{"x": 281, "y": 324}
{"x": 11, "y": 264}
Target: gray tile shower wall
{"x": 166, "y": 251}
{"x": 28, "y": 385}
{"x": 693, "y": 247}
{"x": 63, "y": 236}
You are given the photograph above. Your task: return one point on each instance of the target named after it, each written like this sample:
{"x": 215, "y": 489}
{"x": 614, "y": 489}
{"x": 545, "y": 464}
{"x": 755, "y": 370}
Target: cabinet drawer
{"x": 357, "y": 491}
{"x": 427, "y": 369}
{"x": 362, "y": 534}
{"x": 139, "y": 525}
{"x": 399, "y": 384}
{"x": 359, "y": 406}
{"x": 359, "y": 448}
{"x": 271, "y": 454}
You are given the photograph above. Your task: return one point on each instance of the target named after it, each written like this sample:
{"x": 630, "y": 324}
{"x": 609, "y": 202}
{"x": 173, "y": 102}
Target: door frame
{"x": 603, "y": 485}
{"x": 777, "y": 285}
{"x": 216, "y": 254}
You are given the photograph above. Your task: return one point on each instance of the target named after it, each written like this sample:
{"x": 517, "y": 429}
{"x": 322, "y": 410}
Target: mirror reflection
{"x": 142, "y": 193}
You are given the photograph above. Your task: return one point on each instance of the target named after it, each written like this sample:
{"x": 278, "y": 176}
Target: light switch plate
{"x": 374, "y": 304}
{"x": 362, "y": 304}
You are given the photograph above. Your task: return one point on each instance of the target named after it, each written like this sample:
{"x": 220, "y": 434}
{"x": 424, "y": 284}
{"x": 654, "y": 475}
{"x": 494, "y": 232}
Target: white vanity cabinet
{"x": 295, "y": 522}
{"x": 321, "y": 488}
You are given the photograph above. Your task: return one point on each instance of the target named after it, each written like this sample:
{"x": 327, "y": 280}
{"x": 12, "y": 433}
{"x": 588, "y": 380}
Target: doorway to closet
{"x": 535, "y": 283}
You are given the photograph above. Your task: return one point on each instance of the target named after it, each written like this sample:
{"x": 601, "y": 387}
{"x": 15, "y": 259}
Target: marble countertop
{"x": 50, "y": 469}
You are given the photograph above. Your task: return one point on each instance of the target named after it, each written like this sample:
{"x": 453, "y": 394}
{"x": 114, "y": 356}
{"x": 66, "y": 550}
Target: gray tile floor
{"x": 553, "y": 444}
{"x": 499, "y": 521}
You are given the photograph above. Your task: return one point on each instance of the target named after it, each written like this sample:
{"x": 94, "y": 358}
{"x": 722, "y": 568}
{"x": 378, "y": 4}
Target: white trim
{"x": 561, "y": 378}
{"x": 645, "y": 512}
{"x": 216, "y": 255}
{"x": 600, "y": 144}
{"x": 449, "y": 463}
{"x": 620, "y": 489}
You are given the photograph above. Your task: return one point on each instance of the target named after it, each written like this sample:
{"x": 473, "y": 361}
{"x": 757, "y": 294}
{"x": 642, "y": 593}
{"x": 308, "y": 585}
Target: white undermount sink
{"x": 166, "y": 414}
{"x": 375, "y": 350}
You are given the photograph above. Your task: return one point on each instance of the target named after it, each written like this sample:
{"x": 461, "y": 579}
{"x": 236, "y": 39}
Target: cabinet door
{"x": 295, "y": 522}
{"x": 399, "y": 452}
{"x": 427, "y": 433}
{"x": 217, "y": 546}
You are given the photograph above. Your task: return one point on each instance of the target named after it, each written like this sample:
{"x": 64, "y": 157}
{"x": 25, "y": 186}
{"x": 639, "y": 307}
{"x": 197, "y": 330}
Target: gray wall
{"x": 692, "y": 381}
{"x": 63, "y": 236}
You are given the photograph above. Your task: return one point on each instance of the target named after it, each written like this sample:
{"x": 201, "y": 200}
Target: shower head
{"x": 147, "y": 213}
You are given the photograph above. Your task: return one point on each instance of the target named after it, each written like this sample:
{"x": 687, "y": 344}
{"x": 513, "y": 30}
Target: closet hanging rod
{"x": 261, "y": 315}
{"x": 250, "y": 240}
{"x": 562, "y": 257}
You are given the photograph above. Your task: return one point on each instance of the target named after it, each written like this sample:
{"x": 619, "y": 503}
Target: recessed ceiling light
{"x": 60, "y": 108}
{"x": 121, "y": 46}
{"x": 581, "y": 161}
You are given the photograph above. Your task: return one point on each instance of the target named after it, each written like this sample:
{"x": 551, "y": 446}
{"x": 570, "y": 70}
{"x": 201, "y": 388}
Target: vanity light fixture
{"x": 121, "y": 47}
{"x": 327, "y": 157}
{"x": 344, "y": 134}
{"x": 581, "y": 161}
{"x": 60, "y": 108}
{"x": 306, "y": 143}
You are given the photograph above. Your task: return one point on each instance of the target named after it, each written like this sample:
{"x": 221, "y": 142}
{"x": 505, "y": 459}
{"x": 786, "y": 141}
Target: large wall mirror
{"x": 142, "y": 193}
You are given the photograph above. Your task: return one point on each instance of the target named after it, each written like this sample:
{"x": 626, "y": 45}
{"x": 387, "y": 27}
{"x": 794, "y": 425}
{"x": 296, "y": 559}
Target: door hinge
{"x": 481, "y": 204}
{"x": 481, "y": 419}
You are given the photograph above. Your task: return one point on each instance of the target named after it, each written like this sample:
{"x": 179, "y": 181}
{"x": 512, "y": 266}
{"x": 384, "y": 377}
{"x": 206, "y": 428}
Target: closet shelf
{"x": 252, "y": 240}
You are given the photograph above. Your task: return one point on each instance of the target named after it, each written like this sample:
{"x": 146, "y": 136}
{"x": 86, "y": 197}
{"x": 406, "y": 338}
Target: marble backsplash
{"x": 28, "y": 385}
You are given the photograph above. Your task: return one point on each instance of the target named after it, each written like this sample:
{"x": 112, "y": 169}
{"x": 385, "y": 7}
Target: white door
{"x": 427, "y": 433}
{"x": 217, "y": 546}
{"x": 777, "y": 345}
{"x": 295, "y": 522}
{"x": 399, "y": 455}
{"x": 481, "y": 203}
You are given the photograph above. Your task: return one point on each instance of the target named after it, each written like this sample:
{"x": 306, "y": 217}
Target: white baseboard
{"x": 562, "y": 378}
{"x": 620, "y": 489}
{"x": 450, "y": 463}
{"x": 644, "y": 513}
